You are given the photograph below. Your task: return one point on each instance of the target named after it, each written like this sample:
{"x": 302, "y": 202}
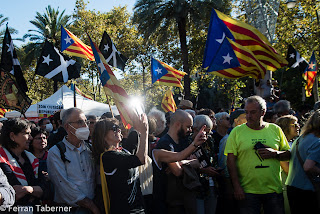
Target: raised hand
{"x": 201, "y": 136}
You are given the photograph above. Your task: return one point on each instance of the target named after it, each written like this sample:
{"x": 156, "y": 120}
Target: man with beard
{"x": 178, "y": 198}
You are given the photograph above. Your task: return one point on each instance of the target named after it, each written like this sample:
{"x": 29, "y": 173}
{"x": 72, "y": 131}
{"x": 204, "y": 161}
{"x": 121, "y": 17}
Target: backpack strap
{"x": 62, "y": 148}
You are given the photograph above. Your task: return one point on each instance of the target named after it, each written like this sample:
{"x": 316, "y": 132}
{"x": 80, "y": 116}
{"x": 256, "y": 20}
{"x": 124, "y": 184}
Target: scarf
{"x": 6, "y": 157}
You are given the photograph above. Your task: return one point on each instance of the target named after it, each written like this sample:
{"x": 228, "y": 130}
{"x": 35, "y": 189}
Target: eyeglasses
{"x": 80, "y": 122}
{"x": 296, "y": 125}
{"x": 116, "y": 128}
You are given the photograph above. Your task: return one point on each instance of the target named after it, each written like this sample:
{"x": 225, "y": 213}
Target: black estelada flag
{"x": 52, "y": 64}
{"x": 10, "y": 62}
{"x": 295, "y": 59}
{"x": 12, "y": 97}
{"x": 110, "y": 52}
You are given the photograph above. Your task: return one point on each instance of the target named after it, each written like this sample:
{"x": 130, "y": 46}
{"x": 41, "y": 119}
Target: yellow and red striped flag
{"x": 163, "y": 74}
{"x": 310, "y": 74}
{"x": 112, "y": 86}
{"x": 70, "y": 44}
{"x": 257, "y": 54}
{"x": 168, "y": 103}
{"x": 2, "y": 112}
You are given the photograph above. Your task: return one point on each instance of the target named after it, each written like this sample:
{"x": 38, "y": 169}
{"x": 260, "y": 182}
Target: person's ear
{"x": 12, "y": 136}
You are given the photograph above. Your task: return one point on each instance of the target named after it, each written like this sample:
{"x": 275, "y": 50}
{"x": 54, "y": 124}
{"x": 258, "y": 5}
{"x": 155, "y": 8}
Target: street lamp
{"x": 291, "y": 3}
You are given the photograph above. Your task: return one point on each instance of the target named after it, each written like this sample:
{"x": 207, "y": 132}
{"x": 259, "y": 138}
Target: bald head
{"x": 180, "y": 116}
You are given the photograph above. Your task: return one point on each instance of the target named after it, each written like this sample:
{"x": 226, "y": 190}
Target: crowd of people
{"x": 251, "y": 160}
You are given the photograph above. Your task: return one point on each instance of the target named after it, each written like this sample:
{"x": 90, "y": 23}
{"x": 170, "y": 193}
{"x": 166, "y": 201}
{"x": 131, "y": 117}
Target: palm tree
{"x": 47, "y": 27}
{"x": 157, "y": 17}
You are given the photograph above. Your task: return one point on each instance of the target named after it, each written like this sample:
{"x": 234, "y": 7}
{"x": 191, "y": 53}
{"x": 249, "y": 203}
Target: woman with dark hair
{"x": 119, "y": 166}
{"x": 19, "y": 165}
{"x": 304, "y": 166}
{"x": 38, "y": 147}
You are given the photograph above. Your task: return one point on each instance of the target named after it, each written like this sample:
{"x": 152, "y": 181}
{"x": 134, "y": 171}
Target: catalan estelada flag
{"x": 112, "y": 86}
{"x": 254, "y": 52}
{"x": 164, "y": 74}
{"x": 310, "y": 74}
{"x": 168, "y": 103}
{"x": 70, "y": 44}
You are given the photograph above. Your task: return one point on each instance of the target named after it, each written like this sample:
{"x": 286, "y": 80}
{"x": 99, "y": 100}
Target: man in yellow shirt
{"x": 254, "y": 151}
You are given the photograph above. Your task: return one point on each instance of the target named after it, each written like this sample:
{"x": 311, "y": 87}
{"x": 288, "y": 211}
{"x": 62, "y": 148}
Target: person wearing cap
{"x": 238, "y": 117}
{"x": 185, "y": 104}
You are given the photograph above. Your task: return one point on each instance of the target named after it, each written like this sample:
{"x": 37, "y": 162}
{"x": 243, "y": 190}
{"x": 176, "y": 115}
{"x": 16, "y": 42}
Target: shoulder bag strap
{"x": 105, "y": 191}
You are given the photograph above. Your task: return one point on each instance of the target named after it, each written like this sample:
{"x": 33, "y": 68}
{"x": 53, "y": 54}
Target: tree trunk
{"x": 184, "y": 55}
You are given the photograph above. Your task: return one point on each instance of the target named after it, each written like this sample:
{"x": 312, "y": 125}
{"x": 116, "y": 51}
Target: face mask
{"x": 82, "y": 133}
{"x": 49, "y": 127}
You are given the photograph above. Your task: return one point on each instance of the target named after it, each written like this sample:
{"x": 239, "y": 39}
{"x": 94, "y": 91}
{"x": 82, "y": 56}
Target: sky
{"x": 20, "y": 12}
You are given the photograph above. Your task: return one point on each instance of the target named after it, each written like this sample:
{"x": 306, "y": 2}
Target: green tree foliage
{"x": 300, "y": 27}
{"x": 47, "y": 26}
{"x": 118, "y": 25}
{"x": 163, "y": 19}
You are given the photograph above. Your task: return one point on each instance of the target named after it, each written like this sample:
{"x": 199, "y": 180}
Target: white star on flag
{"x": 292, "y": 55}
{"x": 106, "y": 47}
{"x": 63, "y": 68}
{"x": 158, "y": 70}
{"x": 227, "y": 59}
{"x": 46, "y": 59}
{"x": 221, "y": 40}
{"x": 68, "y": 40}
{"x": 311, "y": 65}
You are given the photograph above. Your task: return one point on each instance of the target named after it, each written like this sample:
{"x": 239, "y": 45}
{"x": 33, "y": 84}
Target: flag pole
{"x": 74, "y": 95}
{"x": 109, "y": 106}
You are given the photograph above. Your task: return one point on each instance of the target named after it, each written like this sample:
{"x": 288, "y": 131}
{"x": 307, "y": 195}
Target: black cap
{"x": 236, "y": 114}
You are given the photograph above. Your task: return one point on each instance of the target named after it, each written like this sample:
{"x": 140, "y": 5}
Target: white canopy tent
{"x": 63, "y": 98}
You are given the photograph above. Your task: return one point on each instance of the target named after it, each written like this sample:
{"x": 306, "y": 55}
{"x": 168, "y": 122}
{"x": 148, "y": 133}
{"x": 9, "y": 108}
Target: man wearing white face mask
{"x": 70, "y": 165}
{"x": 45, "y": 125}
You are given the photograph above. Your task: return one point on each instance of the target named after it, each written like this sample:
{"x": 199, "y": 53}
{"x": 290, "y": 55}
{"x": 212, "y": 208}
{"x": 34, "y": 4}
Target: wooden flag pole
{"x": 109, "y": 106}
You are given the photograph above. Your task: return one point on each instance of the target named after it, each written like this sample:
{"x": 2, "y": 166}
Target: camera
{"x": 259, "y": 145}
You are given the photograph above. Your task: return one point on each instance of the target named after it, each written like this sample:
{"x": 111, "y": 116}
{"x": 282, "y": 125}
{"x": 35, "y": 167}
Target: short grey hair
{"x": 219, "y": 116}
{"x": 257, "y": 99}
{"x": 201, "y": 120}
{"x": 282, "y": 106}
{"x": 68, "y": 112}
{"x": 154, "y": 112}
